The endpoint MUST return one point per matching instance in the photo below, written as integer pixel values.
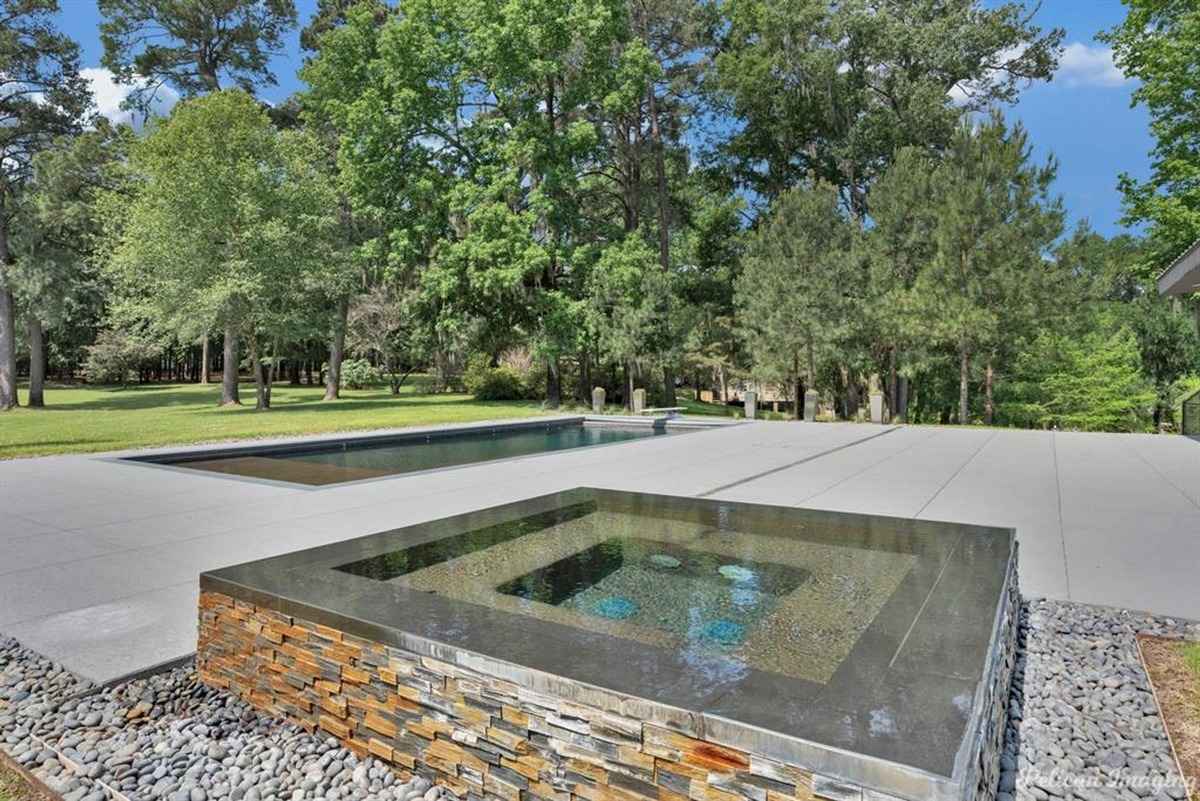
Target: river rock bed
(167, 736)
(1082, 725)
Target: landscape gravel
(167, 736)
(1083, 722)
(1082, 725)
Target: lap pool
(356, 458)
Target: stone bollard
(598, 400)
(750, 400)
(639, 400)
(810, 406)
(876, 407)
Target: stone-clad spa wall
(995, 688)
(483, 736)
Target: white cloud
(109, 94)
(1084, 65)
(964, 92)
(1081, 65)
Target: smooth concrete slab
(96, 641)
(961, 475)
(1013, 481)
(1103, 518)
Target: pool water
(762, 598)
(696, 595)
(365, 458)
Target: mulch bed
(1177, 688)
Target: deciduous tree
(1156, 44)
(231, 219)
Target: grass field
(13, 786)
(89, 419)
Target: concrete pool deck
(99, 560)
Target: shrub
(493, 383)
(1093, 384)
(358, 374)
(1181, 390)
(116, 357)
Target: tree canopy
(196, 46)
(538, 197)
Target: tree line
(542, 196)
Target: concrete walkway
(99, 559)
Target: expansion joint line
(1062, 534)
(955, 475)
(796, 463)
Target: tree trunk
(664, 237)
(893, 397)
(585, 378)
(229, 372)
(261, 401)
(337, 348)
(964, 373)
(8, 331)
(37, 362)
(272, 372)
(847, 394)
(627, 391)
(204, 359)
(989, 407)
(553, 384)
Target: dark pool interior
(865, 634)
(355, 459)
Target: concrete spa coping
(910, 712)
(177, 459)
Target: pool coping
(158, 458)
(834, 765)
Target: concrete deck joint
(810, 458)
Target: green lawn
(88, 419)
(693, 406)
(1191, 655)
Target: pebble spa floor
(610, 645)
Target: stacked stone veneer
(996, 688)
(483, 736)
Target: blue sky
(1083, 116)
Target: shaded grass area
(88, 419)
(693, 406)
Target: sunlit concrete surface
(99, 558)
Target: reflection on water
(353, 460)
(767, 597)
(696, 595)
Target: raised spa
(613, 645)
